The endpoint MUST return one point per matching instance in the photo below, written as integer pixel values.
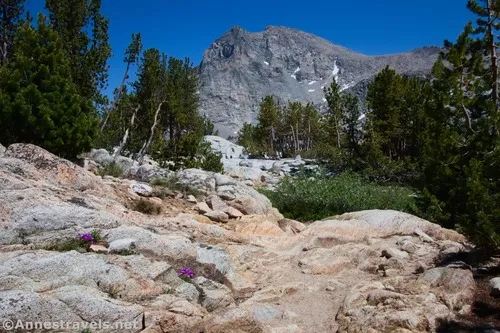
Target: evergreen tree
(84, 33)
(131, 57)
(488, 24)
(39, 103)
(183, 125)
(150, 89)
(248, 138)
(391, 144)
(353, 132)
(269, 122)
(334, 100)
(461, 162)
(10, 15)
(311, 127)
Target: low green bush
(146, 207)
(172, 184)
(112, 169)
(313, 198)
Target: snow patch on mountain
(335, 71)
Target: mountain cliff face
(241, 68)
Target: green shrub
(206, 159)
(161, 182)
(146, 207)
(314, 198)
(163, 185)
(112, 169)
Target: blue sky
(186, 28)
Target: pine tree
(183, 125)
(269, 123)
(310, 127)
(150, 89)
(10, 15)
(488, 24)
(249, 139)
(131, 57)
(39, 103)
(84, 32)
(334, 101)
(392, 138)
(353, 132)
(461, 161)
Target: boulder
(495, 287)
(187, 291)
(44, 271)
(233, 212)
(200, 180)
(217, 216)
(143, 190)
(380, 223)
(126, 245)
(228, 149)
(246, 163)
(175, 247)
(55, 170)
(101, 156)
(96, 306)
(455, 286)
(250, 205)
(43, 222)
(203, 208)
(223, 265)
(394, 253)
(147, 173)
(213, 295)
(2, 150)
(216, 203)
(291, 226)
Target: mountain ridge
(242, 67)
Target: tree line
(53, 74)
(439, 135)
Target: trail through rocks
(371, 271)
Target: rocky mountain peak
(241, 68)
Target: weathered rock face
(241, 68)
(495, 287)
(371, 271)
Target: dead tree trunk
(127, 132)
(117, 98)
(147, 144)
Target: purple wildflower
(186, 273)
(87, 238)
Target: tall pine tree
(39, 103)
(10, 15)
(461, 176)
(84, 33)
